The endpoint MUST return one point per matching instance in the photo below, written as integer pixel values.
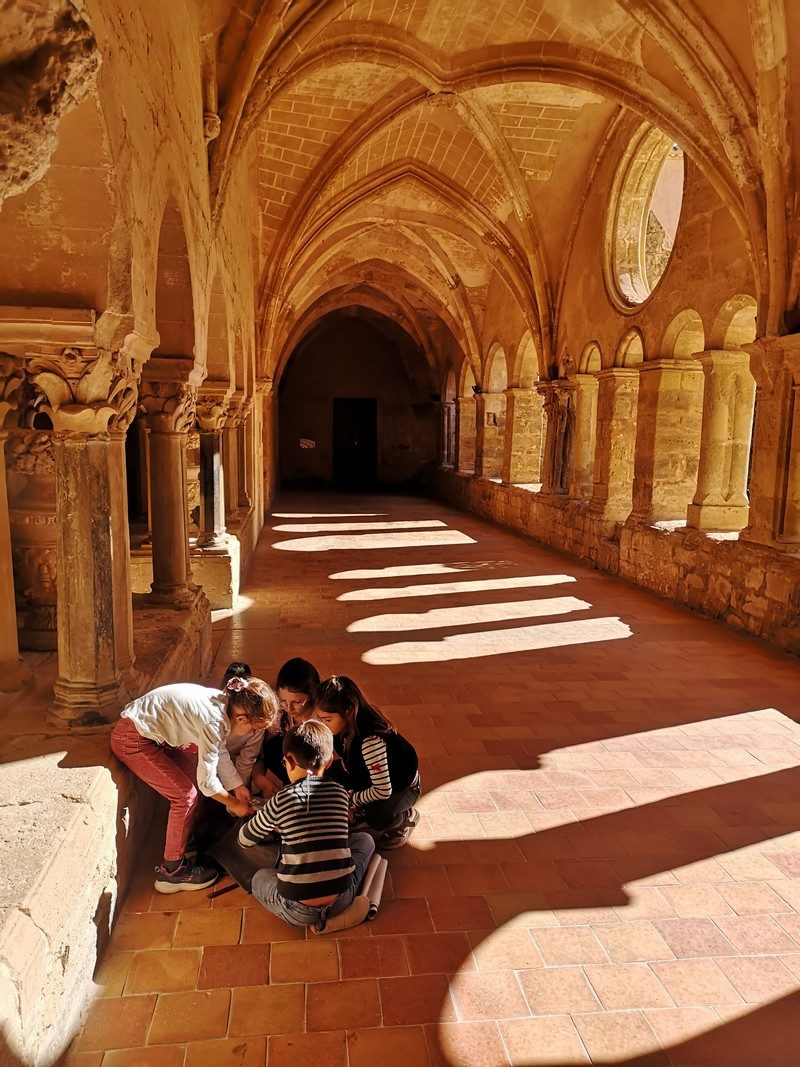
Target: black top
(401, 755)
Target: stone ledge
(72, 821)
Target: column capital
(167, 406)
(237, 410)
(264, 386)
(621, 373)
(213, 401)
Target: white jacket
(187, 714)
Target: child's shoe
(353, 915)
(399, 832)
(188, 877)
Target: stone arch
(630, 350)
(219, 354)
(591, 359)
(174, 291)
(495, 376)
(526, 369)
(684, 336)
(735, 323)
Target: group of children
(311, 765)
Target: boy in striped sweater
(320, 865)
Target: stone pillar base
(217, 569)
(171, 596)
(83, 704)
(722, 518)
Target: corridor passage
(607, 867)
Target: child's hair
(310, 744)
(236, 670)
(341, 695)
(257, 700)
(298, 676)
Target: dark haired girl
(382, 766)
(297, 679)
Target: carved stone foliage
(168, 407)
(86, 391)
(32, 519)
(212, 411)
(11, 378)
(31, 452)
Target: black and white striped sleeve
(376, 758)
(263, 823)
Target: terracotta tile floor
(607, 868)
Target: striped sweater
(311, 817)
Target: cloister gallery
(537, 262)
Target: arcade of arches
(544, 255)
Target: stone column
(212, 413)
(490, 422)
(559, 435)
(169, 408)
(231, 453)
(522, 451)
(774, 517)
(90, 395)
(720, 502)
(465, 434)
(586, 390)
(668, 428)
(12, 672)
(615, 443)
(246, 456)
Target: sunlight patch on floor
(347, 527)
(468, 616)
(403, 572)
(447, 588)
(500, 642)
(360, 542)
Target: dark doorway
(355, 442)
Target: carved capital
(237, 411)
(168, 407)
(213, 401)
(31, 452)
(264, 387)
(11, 378)
(86, 391)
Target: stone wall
(750, 587)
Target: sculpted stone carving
(212, 411)
(86, 391)
(11, 378)
(169, 407)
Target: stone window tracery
(643, 216)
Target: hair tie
(236, 684)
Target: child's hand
(241, 792)
(242, 808)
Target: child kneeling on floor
(382, 766)
(319, 865)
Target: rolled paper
(376, 888)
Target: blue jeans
(265, 888)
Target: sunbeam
(344, 527)
(500, 642)
(359, 542)
(468, 616)
(449, 588)
(403, 572)
(327, 514)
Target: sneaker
(400, 831)
(188, 877)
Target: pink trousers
(172, 772)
